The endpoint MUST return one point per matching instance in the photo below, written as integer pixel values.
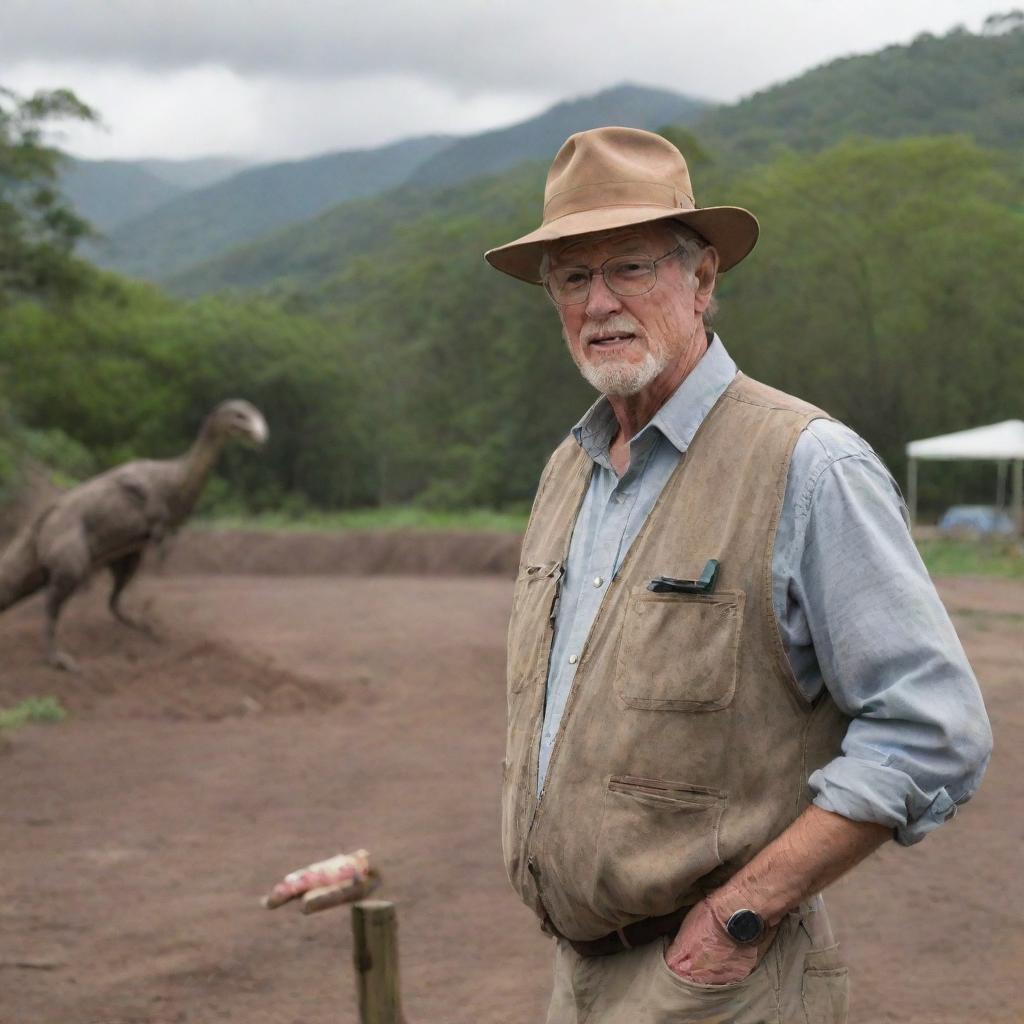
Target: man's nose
(601, 301)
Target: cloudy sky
(286, 78)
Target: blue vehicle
(976, 519)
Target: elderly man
(729, 675)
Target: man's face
(623, 344)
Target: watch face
(745, 926)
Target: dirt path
(285, 718)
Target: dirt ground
(283, 718)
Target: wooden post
(375, 952)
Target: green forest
(395, 367)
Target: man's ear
(706, 274)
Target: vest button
(573, 659)
(598, 581)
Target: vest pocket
(656, 840)
(529, 631)
(679, 651)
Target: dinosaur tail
(20, 571)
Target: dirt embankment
(194, 670)
(351, 553)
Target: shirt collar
(680, 416)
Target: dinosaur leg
(123, 570)
(60, 587)
(164, 547)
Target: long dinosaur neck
(198, 463)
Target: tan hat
(613, 177)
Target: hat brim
(731, 230)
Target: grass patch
(32, 709)
(399, 517)
(987, 557)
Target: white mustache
(621, 323)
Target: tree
(886, 287)
(38, 230)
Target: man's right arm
(811, 853)
(919, 738)
(876, 631)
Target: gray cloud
(276, 78)
(461, 41)
(721, 48)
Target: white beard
(620, 378)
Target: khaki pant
(800, 980)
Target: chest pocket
(679, 651)
(531, 626)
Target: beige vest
(685, 745)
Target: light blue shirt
(856, 608)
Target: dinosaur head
(241, 420)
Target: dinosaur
(109, 520)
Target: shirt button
(619, 499)
(573, 659)
(598, 581)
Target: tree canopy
(38, 229)
(394, 365)
(885, 288)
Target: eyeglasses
(624, 275)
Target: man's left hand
(703, 952)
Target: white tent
(1002, 443)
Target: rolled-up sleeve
(919, 737)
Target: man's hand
(812, 852)
(702, 950)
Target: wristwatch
(745, 926)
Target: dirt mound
(182, 674)
(193, 672)
(354, 553)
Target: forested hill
(194, 172)
(109, 193)
(540, 137)
(957, 83)
(406, 369)
(307, 257)
(112, 192)
(818, 109)
(394, 365)
(253, 203)
(202, 224)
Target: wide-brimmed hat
(611, 178)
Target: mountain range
(261, 223)
(396, 366)
(167, 231)
(958, 83)
(112, 192)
